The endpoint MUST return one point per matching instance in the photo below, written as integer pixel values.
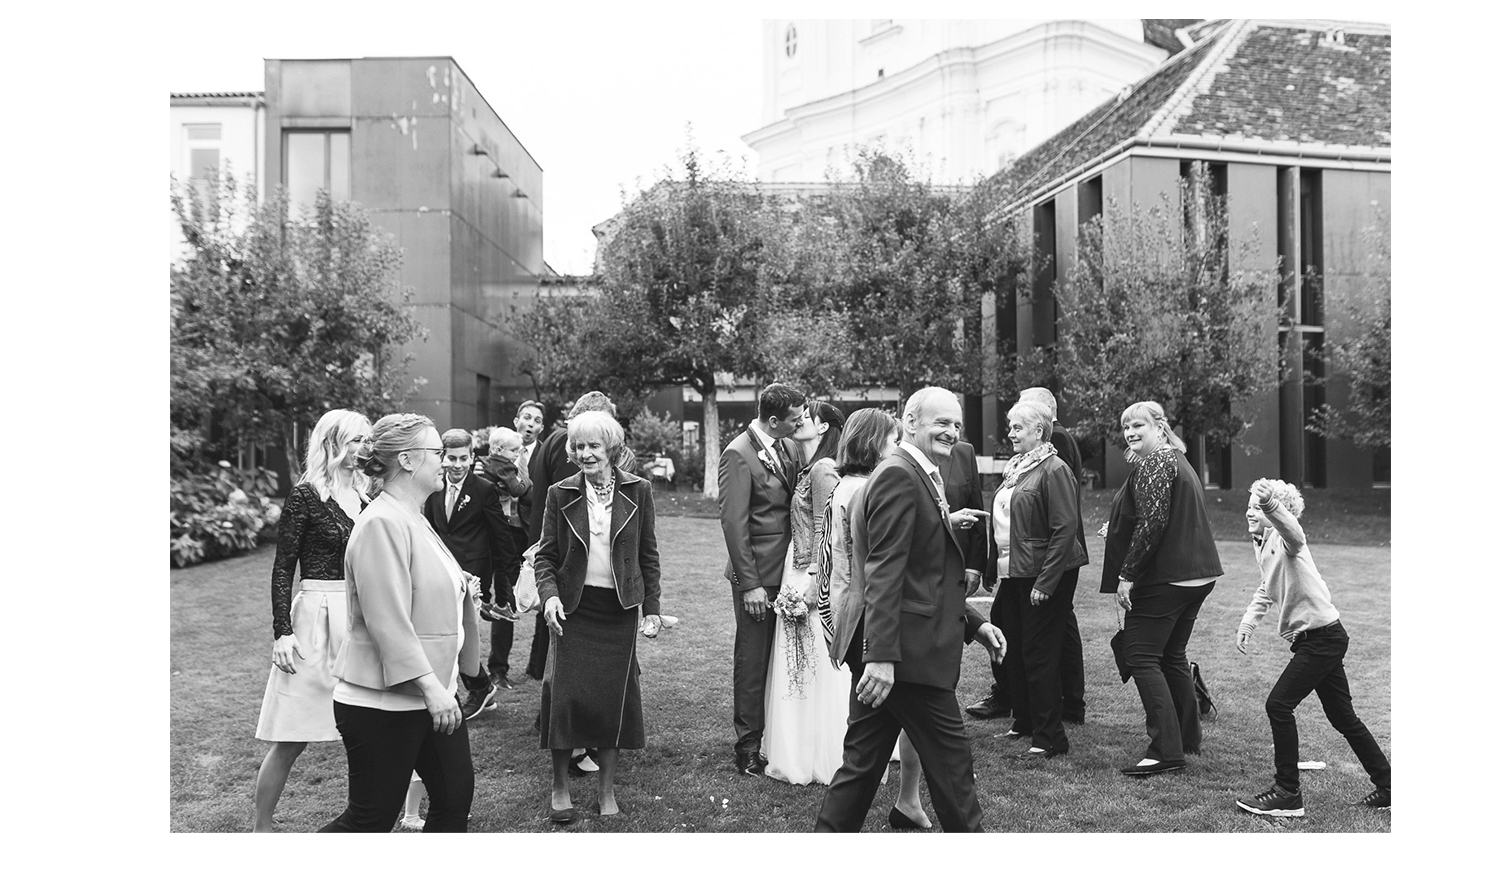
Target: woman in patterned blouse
(308, 629)
(1161, 563)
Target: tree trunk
(289, 450)
(711, 447)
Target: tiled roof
(1243, 81)
(1162, 32)
(1280, 84)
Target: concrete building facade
(414, 142)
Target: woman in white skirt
(309, 628)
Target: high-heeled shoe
(900, 822)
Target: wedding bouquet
(792, 607)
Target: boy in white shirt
(1311, 624)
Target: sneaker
(989, 707)
(1380, 798)
(1275, 802)
(411, 823)
(479, 701)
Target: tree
(1359, 353)
(913, 263)
(277, 319)
(677, 298)
(1153, 310)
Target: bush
(690, 468)
(654, 435)
(220, 512)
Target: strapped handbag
(1205, 703)
(1117, 645)
(527, 598)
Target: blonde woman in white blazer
(412, 627)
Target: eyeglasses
(439, 451)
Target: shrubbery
(221, 511)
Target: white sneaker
(411, 823)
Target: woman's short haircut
(391, 436)
(865, 434)
(777, 399)
(1286, 494)
(1150, 410)
(594, 423)
(1038, 394)
(1033, 414)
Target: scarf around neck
(1018, 465)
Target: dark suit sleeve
(976, 549)
(649, 557)
(890, 521)
(1060, 496)
(1068, 451)
(973, 618)
(734, 518)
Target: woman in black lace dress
(309, 628)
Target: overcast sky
(600, 102)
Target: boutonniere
(462, 503)
(765, 458)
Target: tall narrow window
(314, 160)
(1043, 301)
(202, 153)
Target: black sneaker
(478, 702)
(1274, 802)
(1380, 798)
(989, 707)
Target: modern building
(1292, 119)
(960, 96)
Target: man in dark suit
(466, 513)
(997, 702)
(904, 650)
(756, 480)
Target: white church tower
(960, 97)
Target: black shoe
(1073, 717)
(1380, 798)
(749, 763)
(1273, 802)
(1153, 769)
(989, 707)
(1037, 753)
(501, 681)
(478, 701)
(900, 822)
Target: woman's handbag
(527, 598)
(1200, 690)
(1117, 645)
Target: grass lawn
(685, 782)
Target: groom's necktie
(937, 479)
(783, 458)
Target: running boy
(1311, 624)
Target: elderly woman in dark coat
(597, 573)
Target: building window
(791, 40)
(314, 160)
(1044, 275)
(203, 143)
(1310, 266)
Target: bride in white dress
(807, 698)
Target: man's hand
(875, 685)
(963, 519)
(991, 638)
(755, 603)
(972, 578)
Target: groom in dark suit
(910, 625)
(756, 480)
(467, 514)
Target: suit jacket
(909, 571)
(960, 471)
(549, 465)
(404, 610)
(1067, 450)
(562, 559)
(755, 501)
(474, 532)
